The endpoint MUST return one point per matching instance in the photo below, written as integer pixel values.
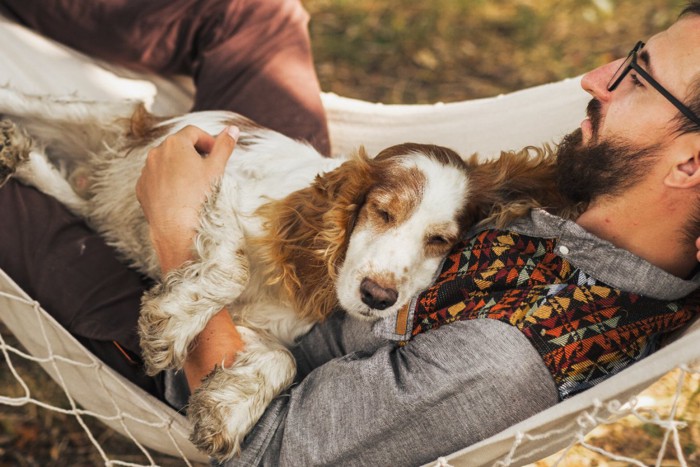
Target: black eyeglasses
(631, 63)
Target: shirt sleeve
(445, 390)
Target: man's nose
(595, 82)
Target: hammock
(529, 117)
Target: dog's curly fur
(14, 149)
(515, 182)
(306, 235)
(286, 236)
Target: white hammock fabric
(543, 114)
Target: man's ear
(685, 172)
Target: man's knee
(258, 62)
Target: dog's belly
(115, 212)
(265, 165)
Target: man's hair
(692, 8)
(691, 230)
(693, 100)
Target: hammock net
(94, 391)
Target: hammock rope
(97, 369)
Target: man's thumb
(224, 144)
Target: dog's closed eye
(384, 215)
(437, 240)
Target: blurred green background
(415, 51)
(422, 51)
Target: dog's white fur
(402, 224)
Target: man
(369, 393)
(519, 318)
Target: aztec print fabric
(584, 330)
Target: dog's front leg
(15, 145)
(175, 311)
(231, 400)
(22, 158)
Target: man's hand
(175, 181)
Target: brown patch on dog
(394, 198)
(441, 154)
(244, 123)
(307, 234)
(249, 130)
(440, 239)
(143, 128)
(400, 190)
(471, 213)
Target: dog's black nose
(376, 296)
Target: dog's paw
(219, 421)
(162, 346)
(15, 145)
(231, 400)
(157, 351)
(174, 312)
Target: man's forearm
(171, 189)
(217, 344)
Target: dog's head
(406, 220)
(371, 233)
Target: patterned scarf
(585, 330)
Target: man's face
(635, 110)
(628, 130)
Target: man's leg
(249, 56)
(55, 258)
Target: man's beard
(601, 168)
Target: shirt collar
(604, 261)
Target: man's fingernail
(234, 132)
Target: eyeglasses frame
(629, 64)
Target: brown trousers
(249, 56)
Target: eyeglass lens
(624, 68)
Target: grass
(33, 436)
(416, 51)
(413, 51)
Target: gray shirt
(362, 400)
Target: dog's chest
(255, 176)
(265, 307)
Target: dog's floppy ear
(345, 190)
(307, 234)
(508, 187)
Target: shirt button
(564, 250)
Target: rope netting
(669, 406)
(17, 368)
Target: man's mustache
(594, 114)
